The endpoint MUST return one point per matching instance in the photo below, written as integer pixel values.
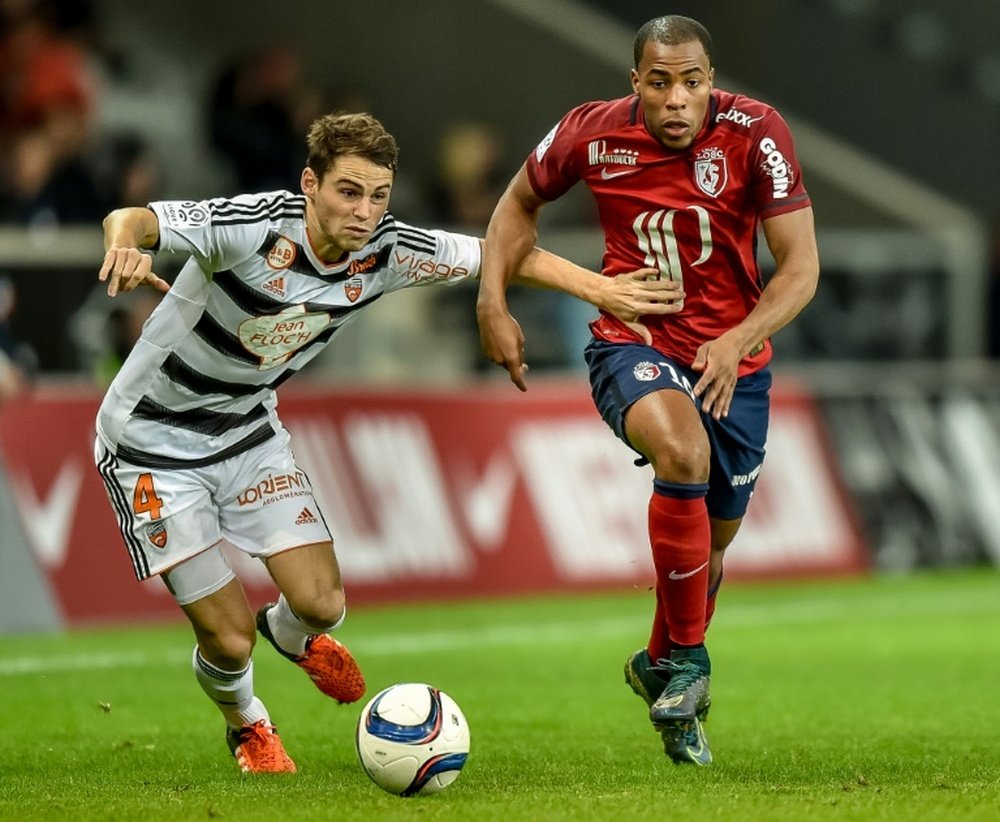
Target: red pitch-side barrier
(451, 493)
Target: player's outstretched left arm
(126, 232)
(629, 296)
(509, 255)
(791, 238)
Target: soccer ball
(412, 739)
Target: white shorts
(260, 501)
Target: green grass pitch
(875, 699)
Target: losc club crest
(156, 533)
(646, 371)
(352, 288)
(710, 171)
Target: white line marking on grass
(80, 662)
(882, 605)
(497, 635)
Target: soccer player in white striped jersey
(189, 444)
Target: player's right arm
(510, 237)
(127, 231)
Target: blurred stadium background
(439, 478)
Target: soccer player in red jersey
(683, 174)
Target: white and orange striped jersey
(251, 306)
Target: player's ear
(633, 77)
(309, 182)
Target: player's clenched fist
(127, 268)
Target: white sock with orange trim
(289, 631)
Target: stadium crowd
(63, 165)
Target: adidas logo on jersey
(305, 518)
(276, 286)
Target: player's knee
(322, 611)
(682, 462)
(228, 649)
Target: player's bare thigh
(666, 428)
(309, 577)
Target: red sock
(680, 537)
(659, 646)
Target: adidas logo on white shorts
(305, 518)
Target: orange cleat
(258, 749)
(333, 669)
(327, 661)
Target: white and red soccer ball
(412, 739)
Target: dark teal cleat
(642, 677)
(682, 707)
(677, 689)
(686, 696)
(687, 745)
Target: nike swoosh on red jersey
(686, 574)
(609, 175)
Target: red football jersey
(691, 214)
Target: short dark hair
(671, 30)
(337, 134)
